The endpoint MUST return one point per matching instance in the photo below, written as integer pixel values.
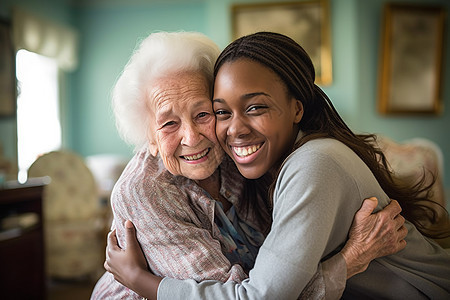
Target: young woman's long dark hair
(320, 119)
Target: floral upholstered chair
(410, 159)
(72, 221)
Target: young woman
(275, 123)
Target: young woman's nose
(238, 127)
(190, 135)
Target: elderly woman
(196, 216)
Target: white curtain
(46, 38)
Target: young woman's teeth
(196, 156)
(244, 151)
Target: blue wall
(109, 35)
(110, 30)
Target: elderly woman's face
(184, 128)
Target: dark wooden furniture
(22, 270)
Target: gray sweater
(319, 189)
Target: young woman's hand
(129, 266)
(373, 235)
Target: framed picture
(7, 72)
(411, 60)
(306, 22)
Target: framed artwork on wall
(306, 22)
(7, 72)
(410, 73)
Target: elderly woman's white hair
(158, 55)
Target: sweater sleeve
(329, 281)
(307, 226)
(174, 241)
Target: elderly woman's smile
(198, 157)
(183, 132)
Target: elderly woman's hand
(373, 235)
(129, 266)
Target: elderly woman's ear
(151, 131)
(152, 145)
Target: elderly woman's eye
(202, 114)
(170, 123)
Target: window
(38, 122)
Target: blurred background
(66, 56)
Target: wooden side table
(22, 271)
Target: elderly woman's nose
(190, 135)
(238, 127)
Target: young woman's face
(182, 131)
(256, 118)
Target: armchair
(72, 221)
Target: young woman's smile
(246, 151)
(256, 118)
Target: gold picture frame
(410, 72)
(306, 22)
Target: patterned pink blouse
(175, 225)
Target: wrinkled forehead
(182, 88)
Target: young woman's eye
(221, 113)
(256, 108)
